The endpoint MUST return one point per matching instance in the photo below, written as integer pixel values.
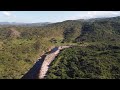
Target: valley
(89, 49)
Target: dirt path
(49, 58)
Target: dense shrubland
(91, 62)
(20, 46)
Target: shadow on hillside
(33, 72)
(54, 50)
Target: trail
(48, 59)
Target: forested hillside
(21, 46)
(100, 61)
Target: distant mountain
(4, 22)
(25, 24)
(38, 24)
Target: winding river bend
(39, 70)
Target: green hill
(91, 62)
(21, 46)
